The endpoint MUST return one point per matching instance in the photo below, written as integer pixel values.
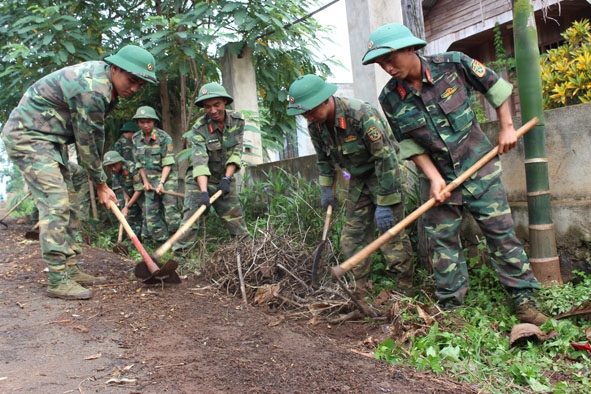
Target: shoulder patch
(374, 134)
(478, 68)
(169, 148)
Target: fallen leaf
(93, 357)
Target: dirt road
(185, 338)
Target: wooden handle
(16, 205)
(120, 235)
(340, 270)
(326, 222)
(152, 267)
(173, 193)
(184, 228)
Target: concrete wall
(569, 168)
(569, 172)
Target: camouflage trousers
(493, 215)
(49, 179)
(134, 217)
(359, 231)
(228, 209)
(161, 213)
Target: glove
(204, 200)
(327, 198)
(384, 218)
(224, 185)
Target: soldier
(427, 103)
(216, 144)
(124, 145)
(352, 134)
(70, 105)
(154, 158)
(129, 180)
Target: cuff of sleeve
(236, 161)
(168, 161)
(201, 170)
(409, 148)
(100, 177)
(326, 180)
(499, 92)
(389, 199)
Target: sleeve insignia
(478, 68)
(169, 148)
(374, 134)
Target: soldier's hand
(437, 191)
(384, 218)
(204, 200)
(224, 185)
(105, 194)
(327, 198)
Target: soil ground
(185, 338)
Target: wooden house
(469, 26)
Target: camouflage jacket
(153, 154)
(129, 178)
(360, 143)
(439, 120)
(124, 147)
(68, 105)
(213, 149)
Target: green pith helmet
(129, 127)
(145, 112)
(307, 92)
(136, 61)
(112, 157)
(388, 38)
(212, 90)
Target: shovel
(119, 248)
(183, 229)
(33, 233)
(154, 273)
(340, 270)
(320, 248)
(15, 207)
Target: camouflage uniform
(361, 143)
(124, 147)
(162, 214)
(36, 137)
(130, 181)
(212, 150)
(79, 196)
(441, 123)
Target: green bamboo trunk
(543, 253)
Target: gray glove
(204, 200)
(384, 218)
(327, 198)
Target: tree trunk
(543, 254)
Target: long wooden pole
(340, 270)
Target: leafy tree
(187, 38)
(565, 70)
